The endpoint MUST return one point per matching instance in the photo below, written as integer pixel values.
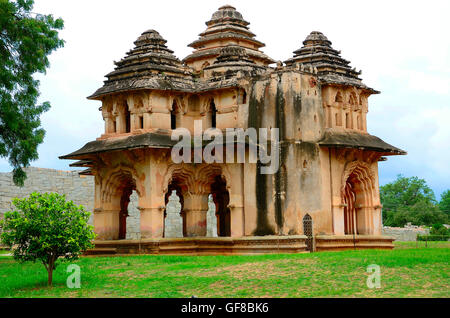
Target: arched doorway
(123, 214)
(126, 188)
(194, 185)
(350, 221)
(221, 199)
(358, 197)
(117, 188)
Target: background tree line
(412, 200)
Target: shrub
(45, 227)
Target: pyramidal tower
(226, 27)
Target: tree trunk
(50, 271)
(50, 276)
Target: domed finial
(315, 37)
(227, 6)
(225, 13)
(150, 36)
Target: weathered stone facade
(326, 183)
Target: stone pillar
(376, 220)
(133, 121)
(106, 224)
(152, 222)
(237, 220)
(338, 219)
(147, 118)
(121, 121)
(109, 124)
(196, 209)
(363, 218)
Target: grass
(406, 271)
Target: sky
(402, 48)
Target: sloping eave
(346, 139)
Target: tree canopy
(410, 200)
(46, 227)
(444, 204)
(26, 40)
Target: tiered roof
(227, 25)
(331, 67)
(148, 65)
(232, 59)
(229, 47)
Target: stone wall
(80, 190)
(407, 233)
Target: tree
(26, 39)
(409, 200)
(439, 229)
(46, 227)
(444, 204)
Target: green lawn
(405, 272)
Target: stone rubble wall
(80, 190)
(407, 233)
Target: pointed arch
(357, 197)
(116, 179)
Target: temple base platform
(350, 242)
(237, 246)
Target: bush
(433, 237)
(46, 227)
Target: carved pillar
(152, 222)
(109, 122)
(376, 220)
(195, 209)
(235, 186)
(237, 220)
(338, 219)
(364, 218)
(109, 125)
(119, 111)
(106, 224)
(159, 118)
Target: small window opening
(213, 114)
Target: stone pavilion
(325, 194)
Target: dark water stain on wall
(262, 222)
(280, 176)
